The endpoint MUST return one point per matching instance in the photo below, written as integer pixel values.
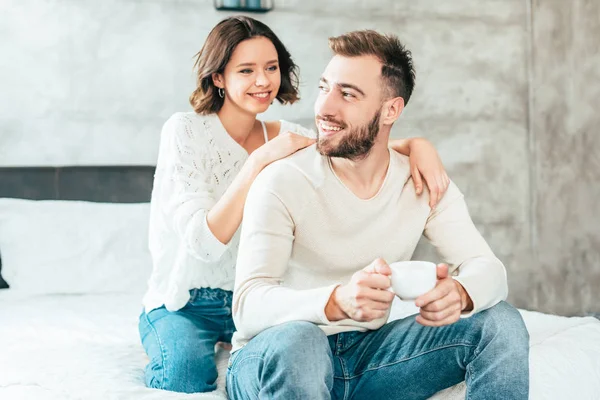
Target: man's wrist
(465, 300)
(333, 311)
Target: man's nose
(326, 105)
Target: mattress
(87, 347)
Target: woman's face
(252, 77)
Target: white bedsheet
(87, 347)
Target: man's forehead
(362, 70)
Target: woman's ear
(392, 109)
(218, 80)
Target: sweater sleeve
(192, 193)
(472, 263)
(264, 253)
(298, 129)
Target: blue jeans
(181, 344)
(401, 360)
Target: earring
(221, 93)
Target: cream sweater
(197, 161)
(305, 232)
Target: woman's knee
(182, 374)
(181, 358)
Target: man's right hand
(365, 298)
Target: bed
(76, 259)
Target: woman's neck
(238, 123)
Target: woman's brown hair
(217, 51)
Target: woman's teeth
(260, 95)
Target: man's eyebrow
(345, 86)
(253, 64)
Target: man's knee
(291, 360)
(302, 336)
(504, 322)
(293, 346)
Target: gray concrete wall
(506, 90)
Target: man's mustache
(341, 124)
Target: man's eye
(348, 94)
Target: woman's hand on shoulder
(280, 147)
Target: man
(310, 299)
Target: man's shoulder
(300, 171)
(402, 165)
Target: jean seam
(344, 373)
(468, 392)
(162, 352)
(410, 358)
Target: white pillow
(58, 246)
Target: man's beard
(355, 145)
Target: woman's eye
(273, 68)
(246, 71)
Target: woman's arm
(225, 216)
(425, 164)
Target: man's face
(348, 109)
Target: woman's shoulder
(183, 118)
(187, 125)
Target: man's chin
(324, 147)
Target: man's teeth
(331, 128)
(260, 95)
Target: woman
(207, 161)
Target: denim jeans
(401, 360)
(181, 344)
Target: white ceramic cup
(411, 279)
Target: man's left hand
(443, 304)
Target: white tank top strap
(264, 126)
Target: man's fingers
(438, 305)
(442, 271)
(378, 266)
(377, 295)
(366, 315)
(439, 315)
(374, 280)
(447, 321)
(441, 307)
(437, 293)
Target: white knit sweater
(197, 161)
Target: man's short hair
(397, 69)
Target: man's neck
(365, 176)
